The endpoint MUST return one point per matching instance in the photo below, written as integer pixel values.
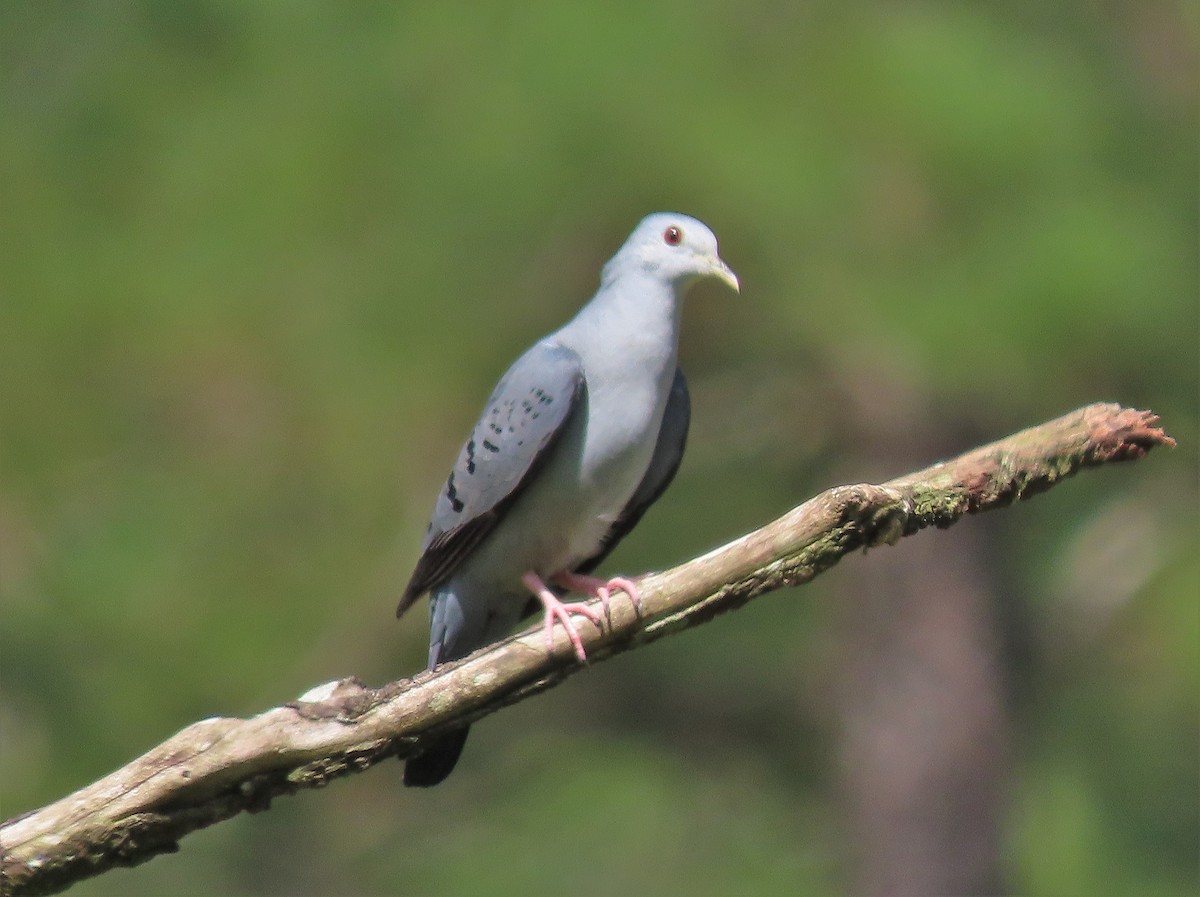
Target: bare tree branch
(216, 768)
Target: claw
(555, 609)
(601, 588)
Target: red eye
(672, 236)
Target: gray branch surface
(216, 768)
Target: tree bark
(919, 687)
(216, 768)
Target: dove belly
(562, 517)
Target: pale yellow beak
(723, 272)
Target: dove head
(671, 247)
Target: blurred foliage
(260, 264)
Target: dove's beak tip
(724, 273)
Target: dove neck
(634, 309)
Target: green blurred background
(260, 264)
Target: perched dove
(581, 435)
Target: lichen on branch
(217, 768)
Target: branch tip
(214, 769)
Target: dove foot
(555, 609)
(594, 587)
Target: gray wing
(668, 453)
(523, 419)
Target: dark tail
(437, 761)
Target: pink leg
(600, 588)
(556, 609)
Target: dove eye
(672, 236)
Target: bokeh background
(260, 264)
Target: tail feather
(457, 627)
(437, 761)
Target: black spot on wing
(452, 494)
(516, 434)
